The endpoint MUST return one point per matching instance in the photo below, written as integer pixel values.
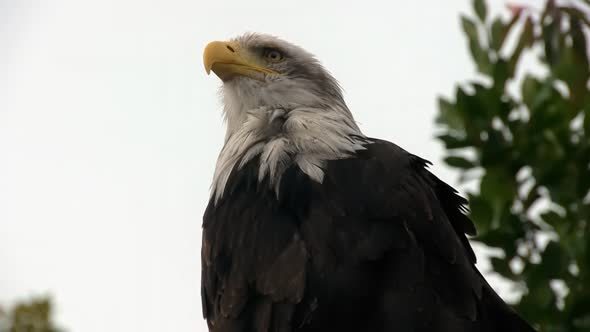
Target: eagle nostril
(230, 48)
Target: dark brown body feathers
(380, 245)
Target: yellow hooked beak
(227, 61)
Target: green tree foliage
(31, 316)
(526, 137)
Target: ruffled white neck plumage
(285, 136)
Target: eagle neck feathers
(284, 136)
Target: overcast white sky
(109, 131)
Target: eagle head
(281, 107)
(263, 70)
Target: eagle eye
(272, 55)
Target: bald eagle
(313, 226)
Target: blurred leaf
(459, 162)
(449, 115)
(579, 43)
(500, 30)
(530, 88)
(540, 295)
(497, 186)
(481, 213)
(480, 9)
(470, 28)
(498, 33)
(453, 142)
(479, 54)
(527, 37)
(541, 99)
(501, 266)
(579, 59)
(554, 260)
(552, 38)
(501, 74)
(498, 238)
(32, 316)
(557, 221)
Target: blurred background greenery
(521, 142)
(523, 138)
(34, 315)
